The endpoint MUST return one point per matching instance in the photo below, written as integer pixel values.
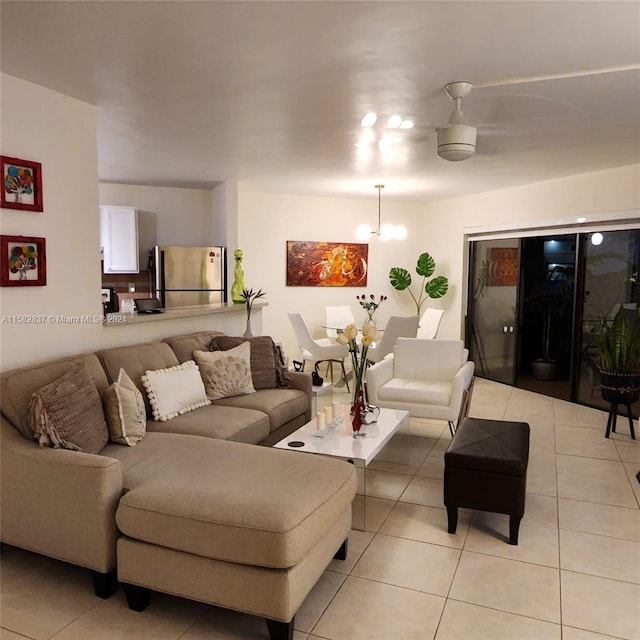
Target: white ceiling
(272, 93)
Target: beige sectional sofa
(194, 509)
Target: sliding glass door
(535, 306)
(609, 262)
(493, 301)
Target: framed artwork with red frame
(23, 261)
(21, 184)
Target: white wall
(267, 221)
(582, 195)
(225, 221)
(60, 132)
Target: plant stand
(613, 415)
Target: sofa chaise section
(222, 523)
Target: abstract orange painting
(503, 268)
(327, 264)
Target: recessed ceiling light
(369, 120)
(394, 121)
(406, 124)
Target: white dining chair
(320, 350)
(397, 327)
(429, 324)
(337, 317)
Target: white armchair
(428, 378)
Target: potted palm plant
(619, 343)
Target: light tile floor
(575, 574)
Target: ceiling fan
(457, 139)
(512, 110)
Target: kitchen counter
(120, 319)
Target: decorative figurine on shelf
(238, 275)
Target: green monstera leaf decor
(400, 280)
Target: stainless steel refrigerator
(186, 276)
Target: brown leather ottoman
(485, 468)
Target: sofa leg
(341, 553)
(280, 630)
(514, 527)
(452, 517)
(105, 584)
(137, 597)
(452, 428)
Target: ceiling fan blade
(508, 82)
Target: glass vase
(238, 283)
(247, 332)
(370, 322)
(356, 413)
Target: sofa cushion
(125, 411)
(267, 370)
(184, 345)
(226, 373)
(18, 385)
(280, 405)
(415, 391)
(67, 413)
(135, 360)
(230, 501)
(175, 390)
(226, 423)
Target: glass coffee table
(386, 440)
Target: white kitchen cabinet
(119, 239)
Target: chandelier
(384, 232)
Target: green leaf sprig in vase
(250, 296)
(359, 365)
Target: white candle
(328, 412)
(320, 418)
(337, 413)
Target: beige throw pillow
(226, 373)
(175, 390)
(125, 411)
(267, 371)
(67, 413)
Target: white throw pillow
(175, 390)
(226, 373)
